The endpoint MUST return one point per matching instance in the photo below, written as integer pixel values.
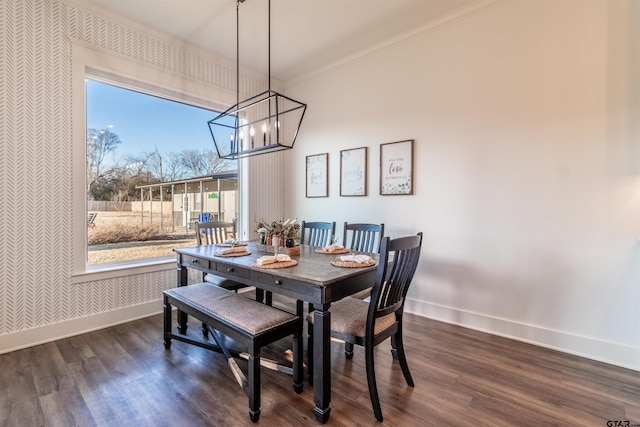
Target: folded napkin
(231, 241)
(333, 248)
(232, 250)
(360, 259)
(270, 259)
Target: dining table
(313, 279)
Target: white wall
(527, 160)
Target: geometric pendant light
(262, 124)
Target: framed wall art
(353, 172)
(396, 168)
(317, 179)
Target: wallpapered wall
(36, 212)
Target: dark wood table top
(312, 269)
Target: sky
(145, 122)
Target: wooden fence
(95, 205)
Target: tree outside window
(141, 152)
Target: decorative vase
(267, 239)
(289, 242)
(275, 241)
(263, 239)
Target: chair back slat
(363, 237)
(211, 233)
(317, 233)
(394, 277)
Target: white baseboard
(588, 347)
(43, 334)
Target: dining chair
(319, 233)
(362, 237)
(212, 233)
(368, 324)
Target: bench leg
(167, 323)
(183, 280)
(205, 330)
(254, 386)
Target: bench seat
(250, 323)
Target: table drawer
(240, 273)
(278, 283)
(194, 262)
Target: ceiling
(306, 35)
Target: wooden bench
(248, 322)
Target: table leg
(259, 294)
(310, 349)
(182, 281)
(322, 362)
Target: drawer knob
(230, 270)
(278, 283)
(194, 261)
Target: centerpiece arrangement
(264, 233)
(278, 234)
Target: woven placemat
(232, 254)
(279, 264)
(351, 264)
(336, 252)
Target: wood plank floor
(122, 376)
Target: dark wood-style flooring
(123, 376)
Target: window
(151, 172)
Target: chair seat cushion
(244, 313)
(349, 318)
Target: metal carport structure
(196, 187)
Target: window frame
(106, 68)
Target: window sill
(109, 271)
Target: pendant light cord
(238, 56)
(238, 49)
(269, 49)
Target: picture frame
(317, 181)
(396, 168)
(353, 172)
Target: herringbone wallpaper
(35, 159)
